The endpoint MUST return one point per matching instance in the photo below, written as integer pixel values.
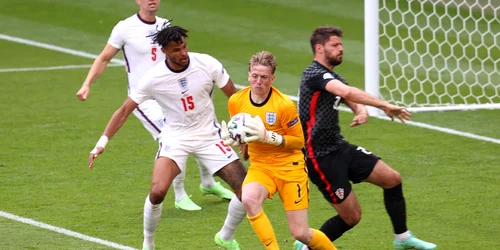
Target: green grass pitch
(450, 182)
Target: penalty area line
(64, 231)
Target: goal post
(433, 55)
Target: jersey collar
(144, 21)
(321, 65)
(264, 102)
(178, 70)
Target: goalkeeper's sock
(152, 214)
(264, 230)
(320, 241)
(396, 208)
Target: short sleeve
(219, 74)
(319, 81)
(144, 90)
(116, 39)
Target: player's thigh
(298, 222)
(176, 150)
(165, 170)
(253, 196)
(330, 174)
(259, 175)
(384, 176)
(349, 210)
(151, 116)
(294, 189)
(362, 162)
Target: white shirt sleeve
(144, 90)
(219, 74)
(116, 39)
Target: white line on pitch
(54, 47)
(445, 130)
(64, 231)
(88, 55)
(52, 68)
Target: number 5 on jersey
(153, 53)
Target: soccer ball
(235, 127)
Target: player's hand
(397, 112)
(225, 136)
(256, 129)
(83, 93)
(93, 154)
(359, 119)
(244, 151)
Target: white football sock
(152, 214)
(178, 184)
(235, 214)
(403, 236)
(207, 180)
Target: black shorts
(333, 172)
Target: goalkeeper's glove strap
(273, 138)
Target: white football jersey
(139, 51)
(185, 97)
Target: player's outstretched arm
(356, 95)
(114, 124)
(100, 63)
(397, 112)
(360, 113)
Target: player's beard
(335, 60)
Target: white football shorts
(151, 115)
(212, 154)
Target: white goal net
(434, 54)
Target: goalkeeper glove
(225, 136)
(257, 131)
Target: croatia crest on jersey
(270, 118)
(340, 193)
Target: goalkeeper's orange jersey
(280, 115)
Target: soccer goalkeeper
(277, 164)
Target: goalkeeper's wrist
(102, 142)
(273, 138)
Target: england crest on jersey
(270, 118)
(183, 84)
